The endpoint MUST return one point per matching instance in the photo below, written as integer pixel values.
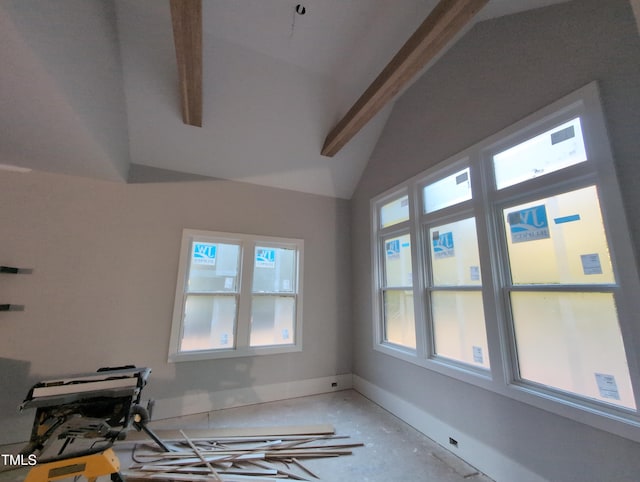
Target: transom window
(518, 274)
(236, 295)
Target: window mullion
(243, 324)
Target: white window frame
(486, 206)
(247, 243)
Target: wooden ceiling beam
(445, 21)
(186, 19)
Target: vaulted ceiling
(90, 87)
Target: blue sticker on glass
(393, 248)
(204, 253)
(443, 245)
(567, 219)
(265, 257)
(528, 224)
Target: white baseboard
(203, 401)
(479, 455)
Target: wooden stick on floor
(197, 452)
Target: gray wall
(105, 258)
(503, 70)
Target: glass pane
(560, 239)
(209, 322)
(397, 261)
(551, 151)
(572, 341)
(447, 192)
(394, 212)
(275, 270)
(399, 321)
(458, 327)
(213, 267)
(272, 320)
(454, 254)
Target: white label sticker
(477, 354)
(607, 386)
(474, 271)
(228, 283)
(591, 263)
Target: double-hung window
(560, 288)
(236, 295)
(395, 274)
(453, 296)
(518, 273)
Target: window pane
(458, 326)
(209, 322)
(275, 270)
(397, 261)
(213, 267)
(448, 191)
(454, 254)
(394, 212)
(572, 341)
(399, 321)
(560, 239)
(551, 151)
(272, 320)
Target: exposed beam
(446, 20)
(186, 18)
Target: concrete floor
(392, 452)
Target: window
(397, 325)
(518, 274)
(236, 295)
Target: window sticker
(265, 258)
(474, 272)
(477, 354)
(591, 263)
(443, 245)
(563, 135)
(528, 224)
(607, 386)
(567, 219)
(204, 253)
(393, 249)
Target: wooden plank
(186, 19)
(304, 468)
(445, 21)
(197, 452)
(136, 477)
(222, 433)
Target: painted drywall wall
(503, 70)
(105, 258)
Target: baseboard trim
(487, 460)
(203, 401)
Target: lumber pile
(257, 455)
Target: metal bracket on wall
(12, 270)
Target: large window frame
(243, 289)
(486, 206)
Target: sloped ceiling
(89, 87)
